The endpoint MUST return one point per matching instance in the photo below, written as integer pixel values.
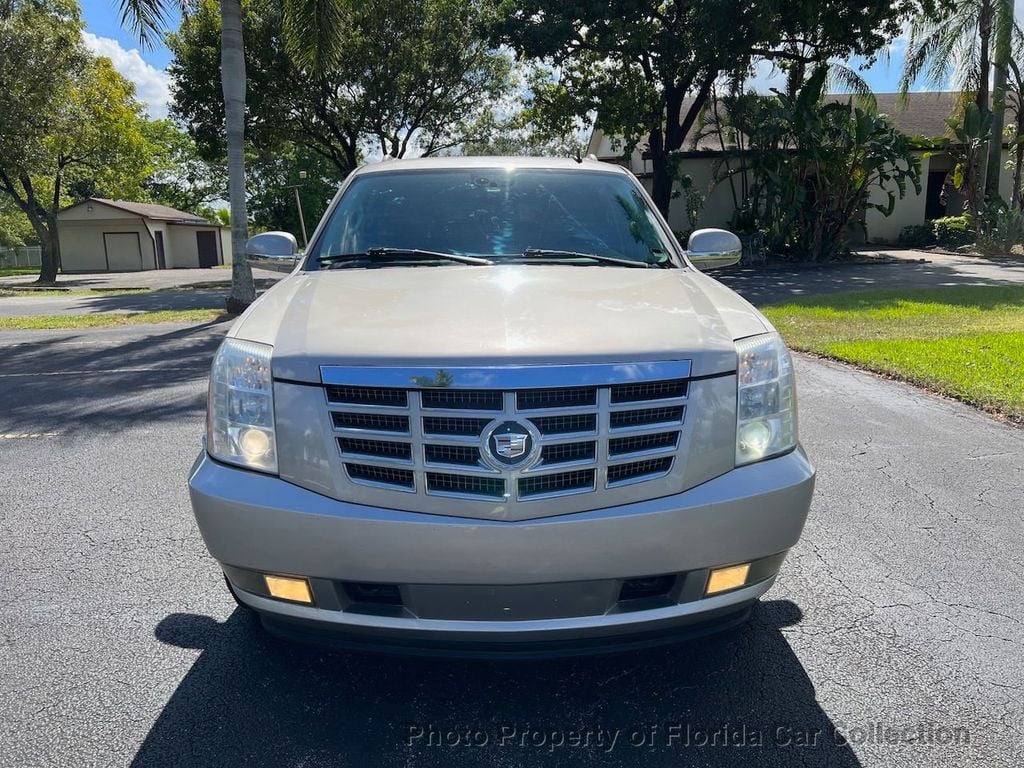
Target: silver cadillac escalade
(496, 408)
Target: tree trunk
(984, 68)
(1003, 29)
(49, 244)
(232, 70)
(661, 182)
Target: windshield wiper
(371, 254)
(548, 254)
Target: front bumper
(469, 582)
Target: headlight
(766, 399)
(240, 417)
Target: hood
(515, 314)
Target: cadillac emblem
(509, 444)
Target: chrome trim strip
(505, 377)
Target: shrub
(953, 231)
(1000, 228)
(918, 236)
(949, 232)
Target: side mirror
(713, 249)
(276, 251)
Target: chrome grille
(419, 440)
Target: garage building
(98, 235)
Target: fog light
(724, 579)
(289, 588)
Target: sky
(105, 36)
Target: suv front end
(513, 459)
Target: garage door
(124, 251)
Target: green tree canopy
(405, 75)
(646, 67)
(70, 123)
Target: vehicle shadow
(740, 698)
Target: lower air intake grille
(560, 482)
(619, 473)
(400, 478)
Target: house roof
(916, 114)
(146, 210)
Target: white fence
(20, 257)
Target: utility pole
(298, 203)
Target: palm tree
(958, 40)
(1004, 25)
(146, 19)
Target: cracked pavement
(893, 637)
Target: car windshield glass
(496, 213)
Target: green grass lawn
(12, 271)
(965, 342)
(110, 319)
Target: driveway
(165, 289)
(893, 636)
(915, 269)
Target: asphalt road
(893, 637)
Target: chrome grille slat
(374, 396)
(358, 446)
(589, 438)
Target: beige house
(98, 235)
(923, 115)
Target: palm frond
(145, 19)
(842, 77)
(314, 31)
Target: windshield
(497, 213)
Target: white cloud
(152, 85)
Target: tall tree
(407, 76)
(1003, 53)
(72, 122)
(646, 67)
(146, 18)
